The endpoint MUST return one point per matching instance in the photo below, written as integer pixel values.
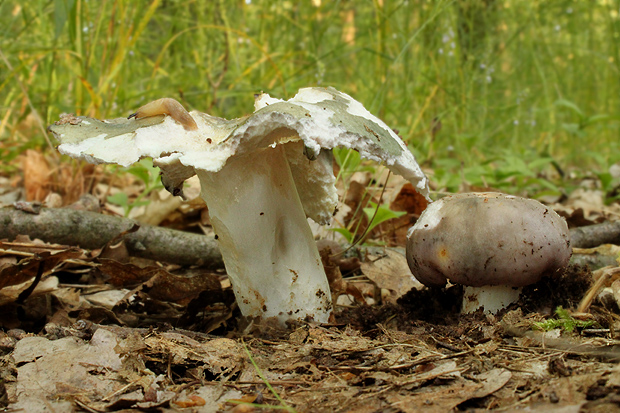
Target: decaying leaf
(390, 272)
(587, 207)
(160, 283)
(404, 198)
(333, 261)
(40, 263)
(102, 373)
(37, 175)
(447, 397)
(50, 371)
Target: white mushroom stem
(491, 297)
(268, 248)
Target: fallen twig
(566, 345)
(91, 230)
(594, 235)
(604, 276)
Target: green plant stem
(283, 404)
(31, 106)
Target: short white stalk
(268, 248)
(491, 298)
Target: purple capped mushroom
(491, 243)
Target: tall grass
(466, 82)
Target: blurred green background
(514, 94)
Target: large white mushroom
(261, 176)
(491, 243)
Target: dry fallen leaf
(40, 264)
(587, 207)
(390, 272)
(405, 198)
(49, 370)
(37, 175)
(160, 284)
(444, 398)
(191, 401)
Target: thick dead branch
(91, 230)
(594, 235)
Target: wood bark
(90, 230)
(594, 235)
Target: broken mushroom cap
(487, 240)
(261, 176)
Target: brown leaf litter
(313, 368)
(98, 330)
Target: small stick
(606, 274)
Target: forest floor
(98, 330)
